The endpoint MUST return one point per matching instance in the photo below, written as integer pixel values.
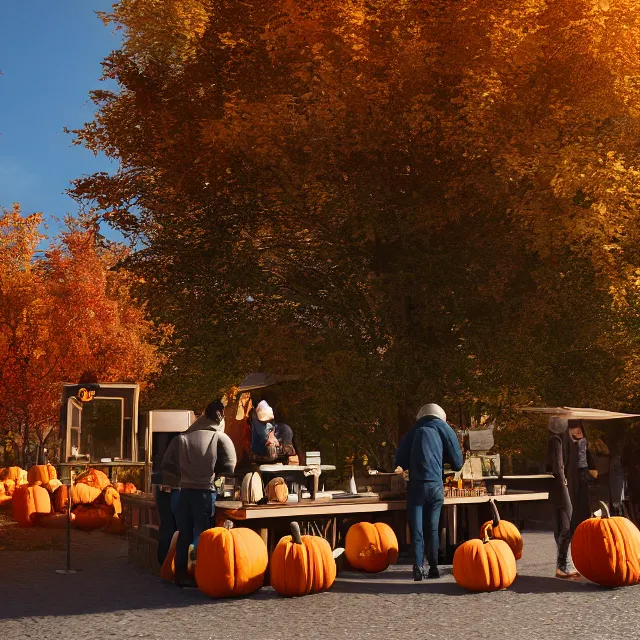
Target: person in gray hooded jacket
(198, 455)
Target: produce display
(38, 498)
(606, 550)
(371, 547)
(503, 530)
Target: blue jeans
(424, 504)
(166, 504)
(194, 515)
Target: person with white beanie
(423, 451)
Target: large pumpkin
(84, 494)
(251, 490)
(94, 478)
(28, 500)
(302, 564)
(89, 517)
(371, 547)
(231, 562)
(41, 474)
(606, 550)
(60, 499)
(503, 530)
(277, 490)
(484, 565)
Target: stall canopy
(575, 413)
(262, 380)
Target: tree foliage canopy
(404, 202)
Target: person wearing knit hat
(423, 451)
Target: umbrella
(262, 380)
(575, 413)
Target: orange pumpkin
(302, 564)
(484, 565)
(119, 487)
(129, 487)
(168, 569)
(231, 562)
(89, 517)
(60, 499)
(94, 478)
(277, 490)
(503, 530)
(371, 547)
(84, 494)
(11, 473)
(28, 500)
(606, 550)
(117, 526)
(41, 474)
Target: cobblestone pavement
(109, 598)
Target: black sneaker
(417, 573)
(433, 574)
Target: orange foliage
(61, 314)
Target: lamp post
(67, 480)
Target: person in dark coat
(422, 451)
(571, 463)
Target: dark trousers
(166, 504)
(424, 504)
(562, 531)
(194, 515)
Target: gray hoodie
(198, 454)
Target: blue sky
(50, 53)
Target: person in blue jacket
(423, 451)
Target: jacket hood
(434, 410)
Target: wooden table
(321, 516)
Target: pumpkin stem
(495, 514)
(605, 509)
(228, 524)
(295, 533)
(486, 536)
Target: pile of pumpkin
(37, 497)
(233, 561)
(604, 550)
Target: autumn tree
(403, 201)
(62, 313)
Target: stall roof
(262, 380)
(576, 413)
